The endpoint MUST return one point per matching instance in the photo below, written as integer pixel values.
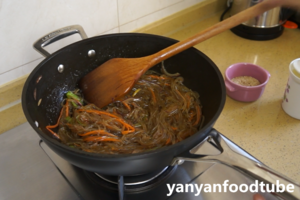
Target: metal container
(266, 26)
(271, 18)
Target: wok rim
(47, 139)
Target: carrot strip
(126, 105)
(98, 138)
(87, 150)
(126, 132)
(184, 101)
(191, 117)
(198, 115)
(125, 124)
(188, 100)
(154, 76)
(153, 95)
(173, 128)
(67, 108)
(55, 125)
(102, 132)
(192, 114)
(168, 141)
(53, 133)
(98, 112)
(128, 126)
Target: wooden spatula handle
(214, 30)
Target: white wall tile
(130, 10)
(23, 22)
(114, 30)
(26, 69)
(11, 75)
(19, 71)
(158, 14)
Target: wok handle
(241, 163)
(57, 35)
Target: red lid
(290, 24)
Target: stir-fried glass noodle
(158, 111)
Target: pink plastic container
(245, 93)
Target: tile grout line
(21, 65)
(118, 16)
(104, 31)
(7, 106)
(100, 33)
(148, 14)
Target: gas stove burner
(156, 185)
(132, 184)
(134, 180)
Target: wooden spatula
(116, 77)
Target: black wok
(60, 72)
(45, 88)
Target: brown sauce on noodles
(158, 111)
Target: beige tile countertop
(262, 127)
